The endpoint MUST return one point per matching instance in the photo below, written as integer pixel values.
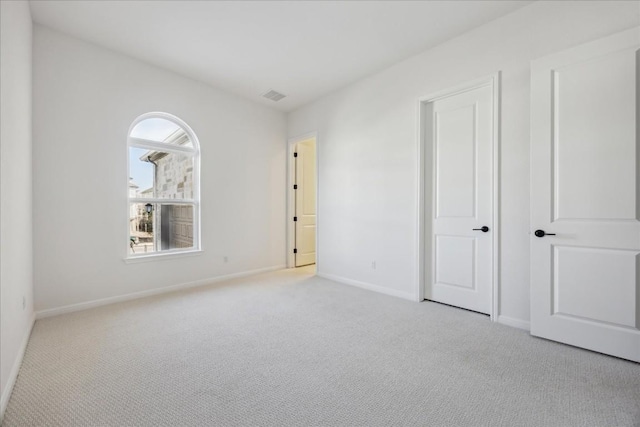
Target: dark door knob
(484, 229)
(541, 233)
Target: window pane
(160, 175)
(141, 231)
(140, 174)
(160, 227)
(175, 227)
(161, 130)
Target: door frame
(425, 201)
(291, 199)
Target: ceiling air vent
(273, 95)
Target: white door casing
(305, 203)
(584, 190)
(459, 136)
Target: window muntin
(163, 186)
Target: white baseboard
(515, 323)
(368, 286)
(135, 295)
(15, 369)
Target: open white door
(460, 135)
(305, 203)
(585, 237)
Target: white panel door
(585, 237)
(460, 128)
(305, 217)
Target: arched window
(164, 186)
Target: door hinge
(295, 251)
(295, 218)
(295, 154)
(295, 186)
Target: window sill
(162, 256)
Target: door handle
(484, 229)
(542, 233)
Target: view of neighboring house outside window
(163, 160)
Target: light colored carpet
(289, 349)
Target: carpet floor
(291, 349)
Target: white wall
(16, 249)
(367, 146)
(85, 98)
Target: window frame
(194, 151)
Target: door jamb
(494, 81)
(291, 208)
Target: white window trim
(195, 202)
(164, 255)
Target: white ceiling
(300, 48)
